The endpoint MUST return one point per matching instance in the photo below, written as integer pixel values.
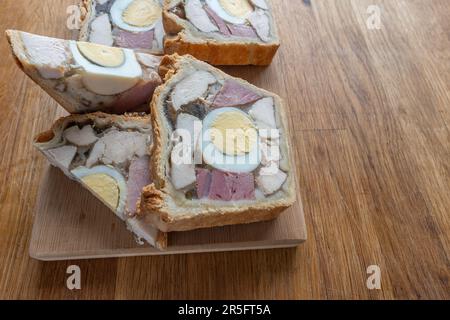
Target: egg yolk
(105, 187)
(142, 13)
(102, 55)
(237, 8)
(233, 133)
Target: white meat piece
(101, 31)
(182, 175)
(49, 56)
(270, 183)
(62, 156)
(117, 147)
(263, 111)
(190, 124)
(82, 138)
(260, 4)
(159, 33)
(198, 16)
(143, 230)
(270, 153)
(148, 60)
(102, 1)
(191, 88)
(260, 22)
(193, 126)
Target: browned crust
(214, 52)
(13, 37)
(153, 206)
(162, 240)
(85, 19)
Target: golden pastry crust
(214, 51)
(157, 203)
(87, 9)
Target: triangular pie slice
(134, 24)
(221, 152)
(110, 156)
(87, 77)
(221, 32)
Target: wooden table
(372, 127)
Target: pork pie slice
(134, 24)
(221, 32)
(110, 156)
(84, 77)
(221, 152)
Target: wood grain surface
(371, 116)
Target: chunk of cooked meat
(260, 22)
(191, 125)
(225, 186)
(263, 111)
(54, 63)
(62, 156)
(182, 175)
(218, 21)
(138, 177)
(260, 4)
(241, 30)
(134, 40)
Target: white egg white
(217, 159)
(108, 80)
(82, 172)
(116, 12)
(222, 13)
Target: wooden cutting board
(70, 223)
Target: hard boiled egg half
(230, 141)
(136, 15)
(106, 70)
(106, 183)
(233, 11)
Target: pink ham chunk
(233, 94)
(225, 186)
(138, 178)
(218, 21)
(134, 40)
(241, 30)
(136, 97)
